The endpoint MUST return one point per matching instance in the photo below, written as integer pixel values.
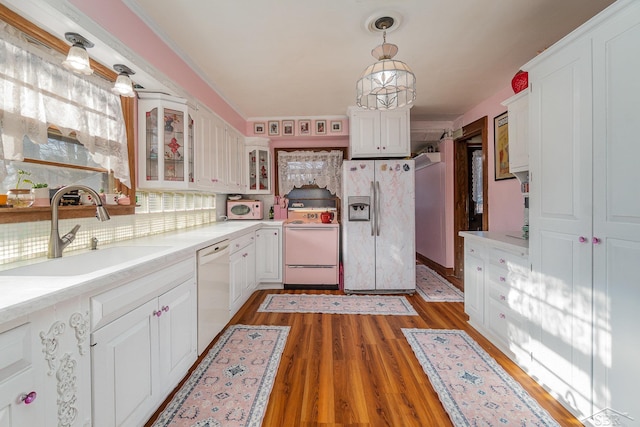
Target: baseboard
(445, 272)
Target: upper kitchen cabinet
(518, 113)
(379, 133)
(236, 169)
(165, 142)
(210, 152)
(258, 160)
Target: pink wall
(506, 205)
(115, 17)
(430, 213)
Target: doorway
(471, 207)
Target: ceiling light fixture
(388, 83)
(123, 85)
(78, 58)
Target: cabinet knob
(157, 313)
(29, 397)
(472, 250)
(596, 240)
(479, 268)
(502, 261)
(503, 298)
(165, 308)
(502, 316)
(502, 279)
(582, 239)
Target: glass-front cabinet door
(165, 142)
(258, 166)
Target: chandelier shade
(123, 85)
(78, 59)
(386, 84)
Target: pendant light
(78, 58)
(388, 83)
(123, 85)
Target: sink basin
(84, 263)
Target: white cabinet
(21, 403)
(165, 143)
(219, 155)
(210, 152)
(258, 162)
(474, 282)
(235, 161)
(518, 113)
(497, 295)
(585, 213)
(242, 270)
(146, 346)
(379, 133)
(269, 255)
(45, 368)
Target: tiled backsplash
(157, 213)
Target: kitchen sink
(84, 263)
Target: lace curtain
(37, 92)
(298, 168)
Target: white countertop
(22, 295)
(501, 238)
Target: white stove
(311, 249)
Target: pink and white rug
(337, 304)
(231, 386)
(474, 389)
(434, 288)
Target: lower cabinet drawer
(316, 275)
(507, 325)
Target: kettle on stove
(326, 217)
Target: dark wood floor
(359, 370)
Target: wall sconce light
(123, 85)
(78, 58)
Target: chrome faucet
(57, 243)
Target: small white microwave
(244, 209)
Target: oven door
(311, 255)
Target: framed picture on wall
(287, 127)
(501, 147)
(336, 126)
(304, 127)
(274, 127)
(258, 127)
(321, 127)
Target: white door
(268, 255)
(561, 222)
(616, 222)
(394, 135)
(358, 237)
(474, 287)
(125, 368)
(364, 133)
(177, 338)
(395, 225)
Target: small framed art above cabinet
(165, 142)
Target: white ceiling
(287, 58)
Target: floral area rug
(337, 304)
(231, 386)
(474, 389)
(433, 288)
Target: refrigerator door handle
(373, 220)
(377, 208)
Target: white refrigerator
(378, 226)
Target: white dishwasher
(213, 292)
